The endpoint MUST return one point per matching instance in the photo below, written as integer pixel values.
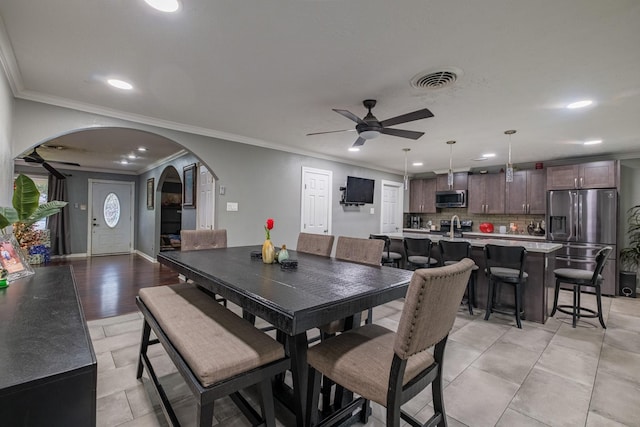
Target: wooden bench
(217, 352)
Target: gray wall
(6, 154)
(264, 182)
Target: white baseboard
(146, 256)
(78, 255)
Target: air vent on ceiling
(436, 79)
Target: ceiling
(269, 72)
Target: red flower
(269, 227)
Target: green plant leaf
(25, 197)
(45, 210)
(7, 217)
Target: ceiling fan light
(164, 5)
(369, 134)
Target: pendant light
(406, 177)
(450, 174)
(509, 174)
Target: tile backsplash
(521, 221)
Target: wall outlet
(372, 211)
(232, 206)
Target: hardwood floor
(108, 285)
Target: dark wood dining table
(316, 292)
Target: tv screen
(359, 190)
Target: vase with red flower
(268, 251)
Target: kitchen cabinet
(422, 196)
(460, 181)
(487, 193)
(527, 193)
(585, 175)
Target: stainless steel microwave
(451, 199)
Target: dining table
(294, 300)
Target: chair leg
(518, 294)
(369, 316)
(144, 344)
(313, 395)
(489, 300)
(204, 417)
(599, 301)
(268, 412)
(576, 303)
(474, 282)
(469, 296)
(555, 298)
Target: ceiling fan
(370, 127)
(34, 157)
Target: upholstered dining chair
(197, 240)
(316, 244)
(389, 367)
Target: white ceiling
(269, 72)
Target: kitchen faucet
(451, 228)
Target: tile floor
(495, 374)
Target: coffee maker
(416, 222)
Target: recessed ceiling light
(124, 162)
(142, 149)
(487, 155)
(580, 104)
(131, 156)
(417, 163)
(354, 149)
(164, 5)
(593, 142)
(479, 159)
(120, 84)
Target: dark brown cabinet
(487, 193)
(422, 195)
(460, 181)
(527, 193)
(586, 175)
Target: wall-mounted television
(359, 190)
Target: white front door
(392, 204)
(206, 199)
(110, 217)
(316, 201)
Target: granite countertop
(482, 235)
(528, 244)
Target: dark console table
(48, 368)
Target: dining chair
(505, 265)
(316, 244)
(388, 256)
(388, 367)
(418, 252)
(579, 278)
(197, 240)
(454, 251)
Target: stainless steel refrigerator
(584, 221)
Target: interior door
(206, 199)
(316, 201)
(111, 217)
(392, 206)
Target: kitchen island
(541, 258)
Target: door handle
(528, 208)
(524, 209)
(95, 225)
(575, 182)
(581, 182)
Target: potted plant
(26, 209)
(630, 256)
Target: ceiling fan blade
(402, 133)
(64, 163)
(53, 170)
(360, 141)
(331, 131)
(409, 117)
(349, 115)
(34, 157)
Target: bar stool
(505, 264)
(452, 252)
(579, 278)
(388, 257)
(418, 252)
